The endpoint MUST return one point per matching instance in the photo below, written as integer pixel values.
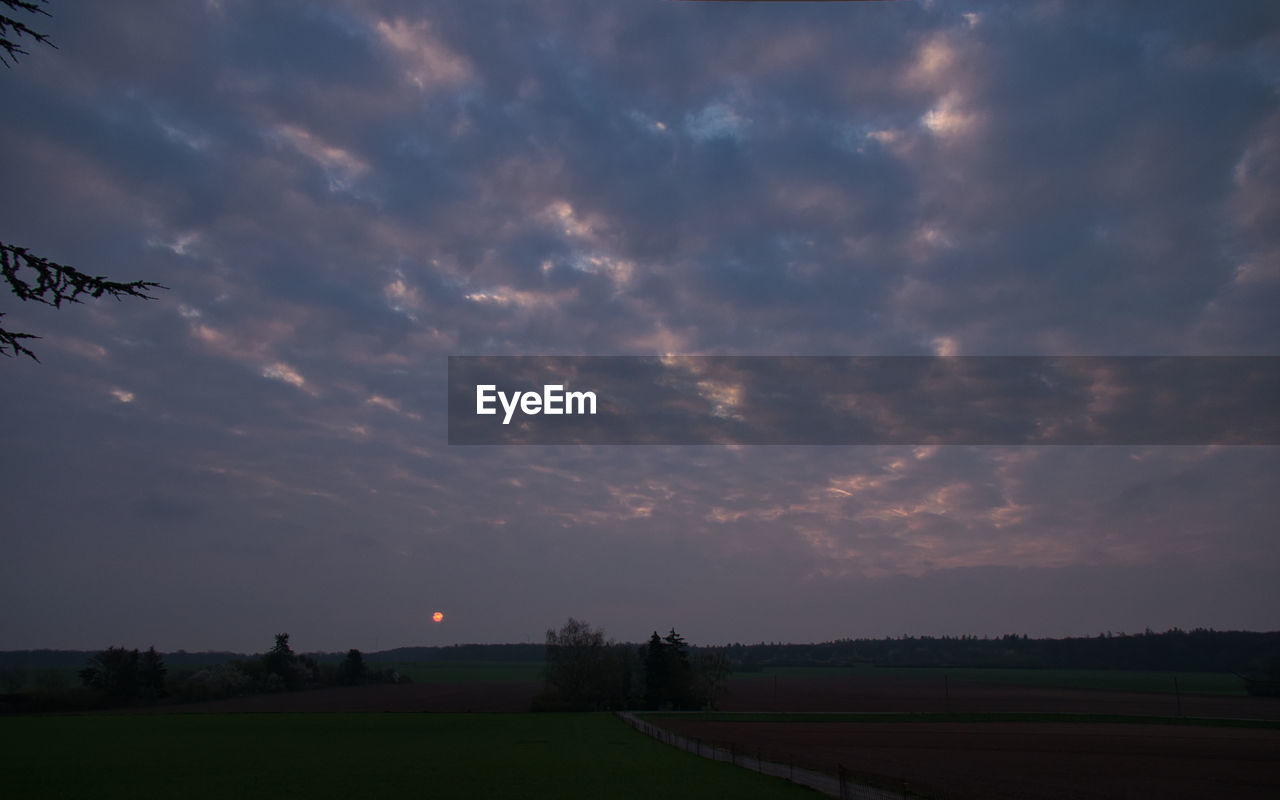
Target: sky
(341, 195)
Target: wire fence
(841, 785)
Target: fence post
(844, 795)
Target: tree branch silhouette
(29, 276)
(32, 277)
(11, 31)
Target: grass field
(1222, 683)
(357, 755)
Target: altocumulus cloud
(342, 196)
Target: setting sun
(437, 617)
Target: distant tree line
(123, 675)
(456, 653)
(118, 677)
(279, 670)
(584, 670)
(587, 672)
(1199, 650)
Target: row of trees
(126, 675)
(117, 676)
(1197, 650)
(280, 670)
(585, 671)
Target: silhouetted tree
(151, 672)
(676, 678)
(29, 276)
(352, 671)
(669, 676)
(655, 672)
(584, 671)
(279, 662)
(679, 672)
(305, 672)
(114, 672)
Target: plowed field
(998, 760)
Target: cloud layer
(342, 197)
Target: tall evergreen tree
(353, 671)
(279, 661)
(655, 672)
(151, 672)
(679, 673)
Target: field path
(822, 782)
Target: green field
(357, 755)
(1222, 683)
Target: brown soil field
(906, 693)
(798, 693)
(450, 697)
(999, 760)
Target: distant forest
(1199, 650)
(1176, 650)
(583, 671)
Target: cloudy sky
(341, 195)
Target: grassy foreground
(357, 755)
